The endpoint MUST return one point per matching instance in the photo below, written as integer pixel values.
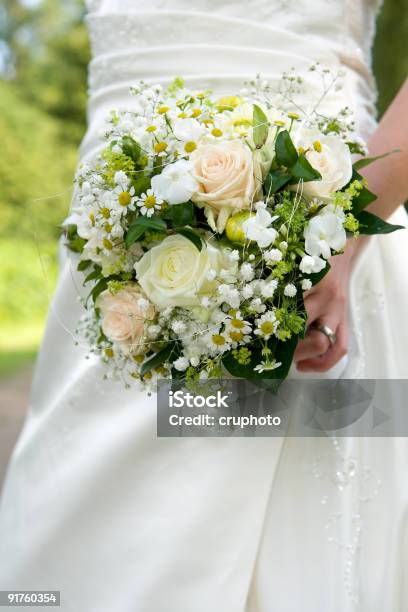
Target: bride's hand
(327, 303)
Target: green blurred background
(43, 57)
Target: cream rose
(124, 315)
(224, 172)
(175, 272)
(330, 156)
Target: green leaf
(83, 265)
(159, 358)
(134, 233)
(131, 148)
(74, 242)
(260, 127)
(96, 273)
(303, 170)
(192, 236)
(181, 214)
(76, 245)
(365, 161)
(97, 290)
(364, 198)
(283, 352)
(371, 224)
(141, 184)
(275, 180)
(140, 225)
(286, 153)
(356, 176)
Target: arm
(388, 179)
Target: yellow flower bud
(234, 230)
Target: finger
(315, 343)
(331, 357)
(314, 307)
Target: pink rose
(224, 172)
(124, 315)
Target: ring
(325, 329)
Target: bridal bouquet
(200, 225)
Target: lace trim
(348, 484)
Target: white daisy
(123, 198)
(267, 325)
(238, 330)
(149, 202)
(267, 366)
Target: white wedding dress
(118, 520)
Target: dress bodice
(220, 44)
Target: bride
(118, 520)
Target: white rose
(224, 172)
(175, 273)
(330, 156)
(324, 232)
(123, 319)
(175, 184)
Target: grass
(26, 283)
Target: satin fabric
(96, 505)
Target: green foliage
(169, 352)
(390, 58)
(115, 162)
(36, 169)
(286, 153)
(371, 224)
(192, 236)
(42, 118)
(289, 215)
(298, 167)
(48, 53)
(261, 127)
(181, 215)
(140, 226)
(282, 352)
(27, 278)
